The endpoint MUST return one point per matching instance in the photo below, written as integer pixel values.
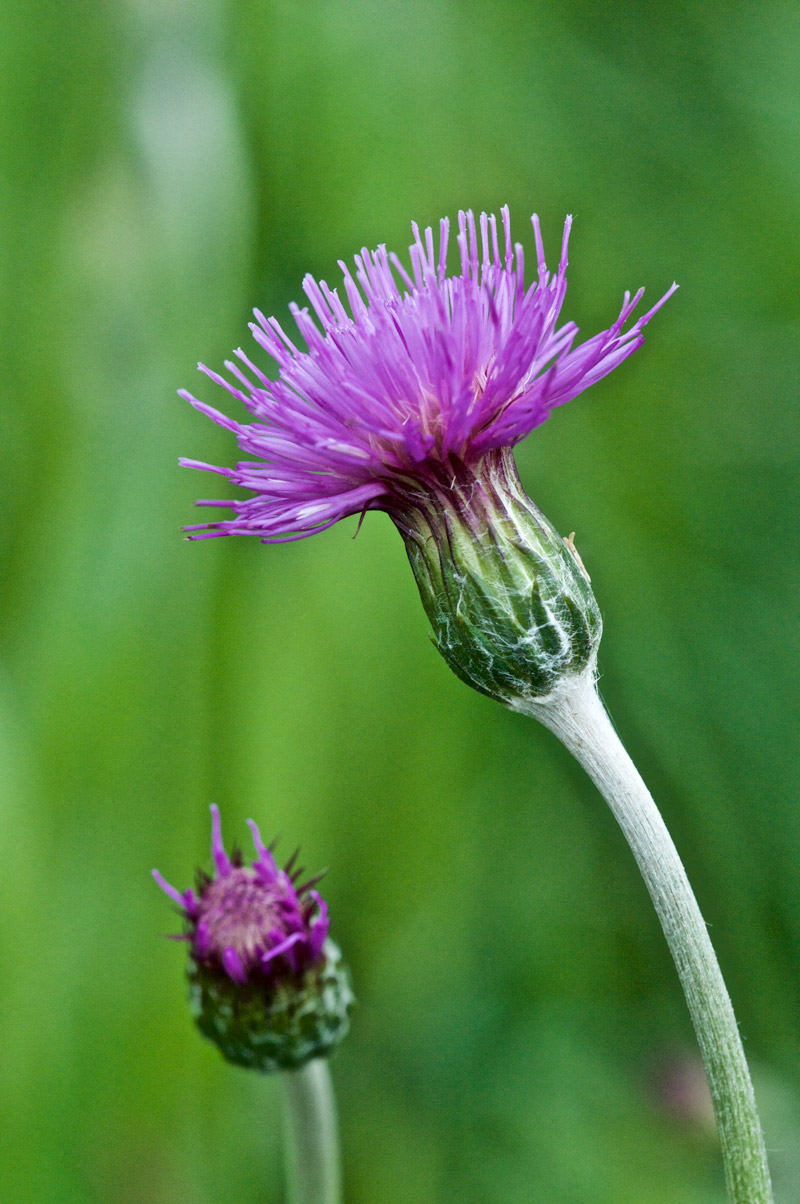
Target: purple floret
(419, 371)
(252, 922)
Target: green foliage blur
(521, 1037)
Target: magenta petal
(283, 947)
(221, 859)
(320, 927)
(422, 369)
(232, 965)
(174, 894)
(264, 865)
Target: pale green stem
(579, 719)
(312, 1143)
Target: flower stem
(579, 719)
(312, 1144)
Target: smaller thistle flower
(267, 984)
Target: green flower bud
(282, 1027)
(509, 600)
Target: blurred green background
(521, 1037)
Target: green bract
(274, 1026)
(512, 610)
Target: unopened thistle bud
(267, 984)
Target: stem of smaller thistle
(580, 721)
(312, 1143)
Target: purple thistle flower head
(409, 399)
(251, 923)
(422, 374)
(268, 985)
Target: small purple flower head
(251, 923)
(423, 374)
(268, 985)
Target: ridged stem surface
(312, 1142)
(580, 721)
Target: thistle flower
(267, 984)
(410, 402)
